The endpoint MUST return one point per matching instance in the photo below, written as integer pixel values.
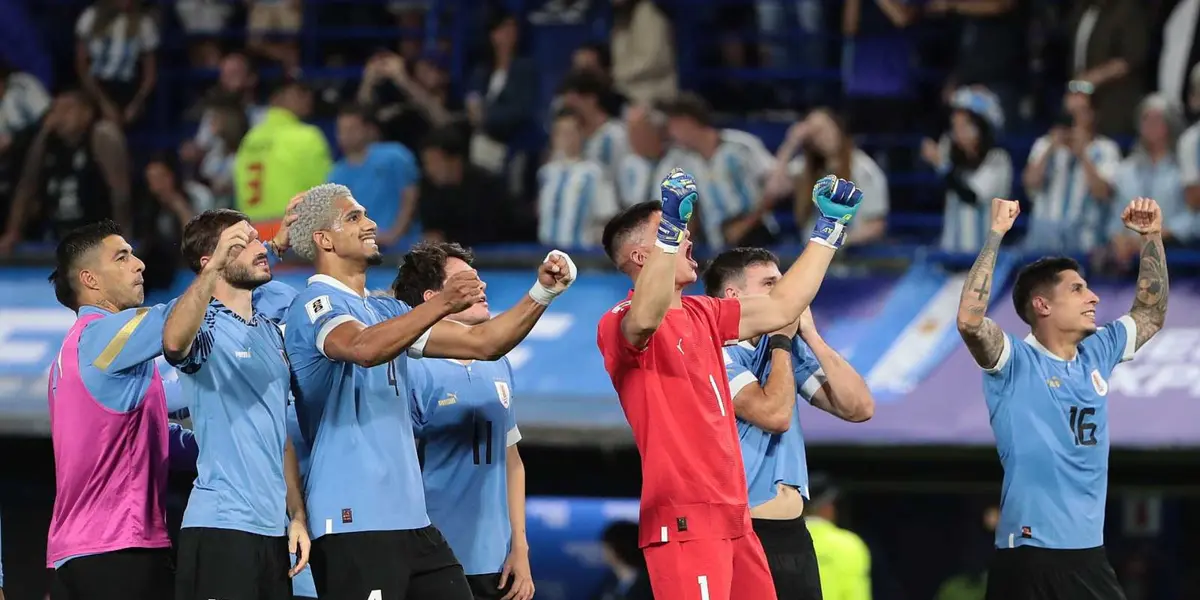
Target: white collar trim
(333, 283)
(1032, 341)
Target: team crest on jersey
(504, 393)
(317, 307)
(1099, 383)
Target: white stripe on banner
(897, 371)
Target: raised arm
(1149, 309)
(836, 387)
(838, 201)
(496, 337)
(654, 288)
(188, 313)
(983, 336)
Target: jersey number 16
(1082, 429)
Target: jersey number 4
(1082, 429)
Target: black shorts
(133, 574)
(232, 565)
(790, 554)
(1031, 573)
(410, 564)
(487, 587)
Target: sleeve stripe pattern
(417, 349)
(514, 436)
(812, 384)
(328, 328)
(740, 381)
(1130, 337)
(117, 344)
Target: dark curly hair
(424, 268)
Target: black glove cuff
(779, 342)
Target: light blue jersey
(364, 474)
(236, 379)
(464, 417)
(1050, 417)
(302, 584)
(772, 458)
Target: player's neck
(351, 275)
(1062, 344)
(677, 299)
(236, 299)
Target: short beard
(375, 260)
(241, 277)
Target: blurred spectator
(1180, 55)
(731, 168)
(1069, 179)
(1151, 171)
(878, 61)
(595, 58)
(227, 125)
(650, 157)
(203, 21)
(23, 102)
(575, 196)
(843, 557)
(604, 138)
(76, 172)
(1108, 52)
(643, 52)
(383, 176)
(1188, 151)
(628, 579)
(460, 202)
(971, 584)
(175, 201)
(408, 105)
(986, 53)
(279, 158)
(114, 57)
(273, 25)
(503, 94)
(827, 149)
(973, 169)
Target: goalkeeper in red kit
(663, 352)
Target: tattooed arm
(983, 337)
(1150, 303)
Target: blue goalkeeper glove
(837, 202)
(678, 202)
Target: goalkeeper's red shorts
(720, 569)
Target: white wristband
(544, 295)
(669, 249)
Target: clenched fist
(462, 291)
(1143, 216)
(1004, 214)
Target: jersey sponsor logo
(317, 307)
(1098, 382)
(504, 393)
(450, 398)
(679, 346)
(1054, 383)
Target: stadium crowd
(451, 143)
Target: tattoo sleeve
(1149, 310)
(983, 337)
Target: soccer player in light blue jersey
(768, 377)
(236, 379)
(1046, 396)
(372, 536)
(463, 415)
(303, 587)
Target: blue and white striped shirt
(639, 177)
(115, 53)
(25, 101)
(1138, 176)
(575, 200)
(731, 182)
(1066, 218)
(965, 226)
(607, 146)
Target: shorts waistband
(1058, 556)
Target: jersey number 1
(392, 379)
(1083, 430)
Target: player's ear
(204, 261)
(88, 279)
(731, 292)
(322, 240)
(428, 295)
(638, 256)
(1041, 307)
